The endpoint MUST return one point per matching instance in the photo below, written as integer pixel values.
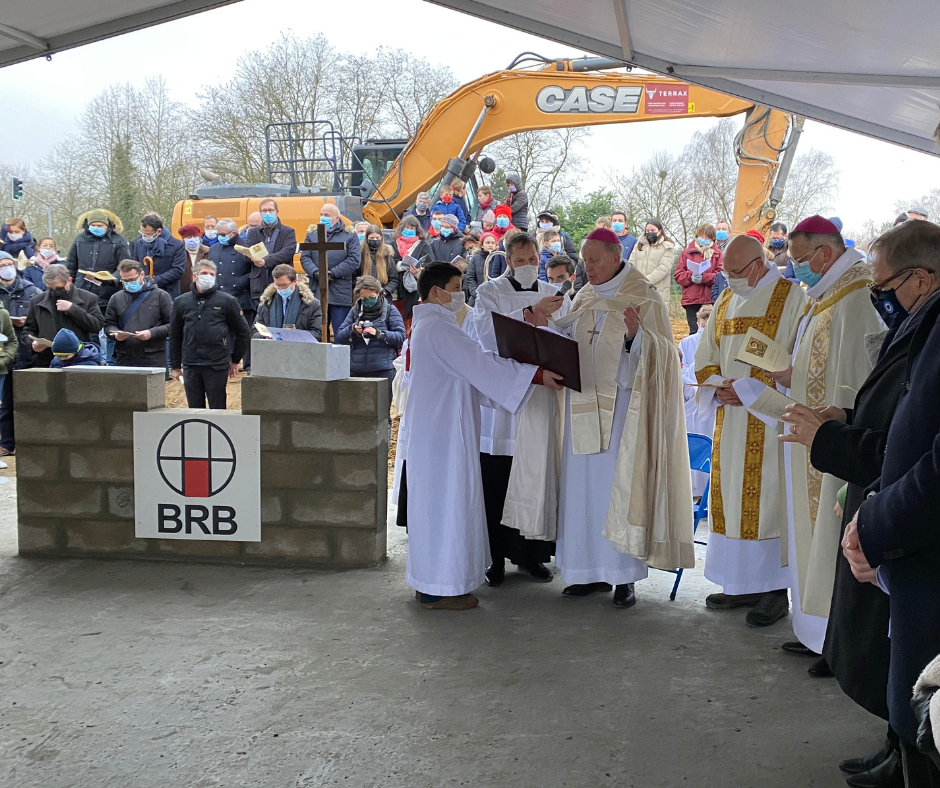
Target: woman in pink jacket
(696, 282)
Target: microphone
(565, 288)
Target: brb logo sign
(197, 478)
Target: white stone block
(299, 360)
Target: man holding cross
(343, 254)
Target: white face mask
(8, 273)
(15, 236)
(205, 281)
(740, 287)
(457, 302)
(48, 253)
(526, 275)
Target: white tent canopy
(866, 65)
(43, 27)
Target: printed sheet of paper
(697, 269)
(765, 402)
(762, 352)
(286, 334)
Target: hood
(114, 223)
(306, 294)
(516, 180)
(331, 229)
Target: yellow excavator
(377, 180)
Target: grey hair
(55, 273)
(909, 245)
(226, 226)
(203, 265)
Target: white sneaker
(3, 465)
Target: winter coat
(446, 249)
(342, 265)
(91, 253)
(25, 244)
(692, 292)
(200, 328)
(453, 208)
(462, 202)
(423, 219)
(422, 249)
(281, 243)
(627, 241)
(655, 262)
(390, 288)
(897, 526)
(15, 299)
(192, 263)
(382, 350)
(498, 263)
(309, 317)
(718, 286)
(33, 273)
(518, 203)
(43, 320)
(474, 276)
(233, 273)
(169, 260)
(481, 209)
(88, 356)
(153, 314)
(9, 346)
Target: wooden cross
(321, 247)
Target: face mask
(777, 242)
(526, 275)
(436, 224)
(805, 274)
(133, 287)
(374, 244)
(421, 207)
(212, 234)
(8, 273)
(502, 221)
(545, 225)
(205, 281)
(703, 242)
(456, 303)
(409, 233)
(192, 244)
(512, 189)
(15, 236)
(326, 220)
(446, 232)
(721, 235)
(371, 302)
(285, 293)
(59, 293)
(98, 232)
(223, 239)
(617, 227)
(148, 239)
(555, 246)
(888, 306)
(269, 218)
(447, 199)
(740, 287)
(652, 237)
(48, 253)
(362, 237)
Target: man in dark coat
(15, 296)
(138, 319)
(168, 254)
(342, 266)
(203, 320)
(287, 302)
(233, 271)
(281, 243)
(61, 306)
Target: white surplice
(439, 441)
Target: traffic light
(17, 188)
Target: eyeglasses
(811, 254)
(878, 287)
(740, 274)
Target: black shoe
(624, 596)
(887, 774)
(496, 574)
(538, 572)
(795, 647)
(731, 601)
(820, 669)
(858, 765)
(586, 589)
(771, 608)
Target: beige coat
(656, 263)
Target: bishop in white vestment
(747, 506)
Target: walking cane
(148, 261)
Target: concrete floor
(161, 675)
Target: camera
(364, 324)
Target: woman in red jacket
(697, 286)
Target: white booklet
(762, 352)
(697, 269)
(765, 402)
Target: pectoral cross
(321, 247)
(594, 331)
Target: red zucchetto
(817, 225)
(603, 235)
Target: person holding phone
(138, 319)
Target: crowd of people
(829, 505)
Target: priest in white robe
(512, 295)
(440, 491)
(747, 506)
(619, 449)
(829, 364)
(699, 421)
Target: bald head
(744, 259)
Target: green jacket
(7, 348)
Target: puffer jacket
(382, 350)
(518, 203)
(91, 253)
(15, 299)
(696, 292)
(474, 276)
(153, 314)
(309, 318)
(655, 262)
(343, 266)
(24, 244)
(446, 249)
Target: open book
(257, 252)
(540, 348)
(100, 276)
(763, 401)
(22, 261)
(697, 269)
(762, 352)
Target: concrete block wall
(324, 450)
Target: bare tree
(930, 202)
(712, 170)
(810, 187)
(411, 88)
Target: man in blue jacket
(342, 266)
(168, 254)
(618, 223)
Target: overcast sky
(203, 50)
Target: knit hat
(603, 235)
(190, 231)
(836, 221)
(503, 210)
(488, 234)
(451, 219)
(756, 234)
(489, 217)
(549, 215)
(97, 215)
(817, 225)
(65, 343)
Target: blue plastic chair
(700, 459)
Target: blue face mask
(269, 218)
(223, 239)
(617, 227)
(408, 233)
(555, 246)
(776, 243)
(133, 287)
(446, 232)
(285, 293)
(703, 241)
(98, 232)
(362, 237)
(502, 221)
(721, 235)
(326, 220)
(805, 274)
(436, 224)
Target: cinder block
(283, 395)
(357, 548)
(38, 536)
(119, 426)
(297, 544)
(271, 430)
(362, 397)
(55, 426)
(59, 500)
(295, 470)
(271, 509)
(91, 536)
(37, 462)
(131, 389)
(121, 502)
(332, 434)
(100, 464)
(196, 548)
(355, 472)
(39, 386)
(356, 510)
